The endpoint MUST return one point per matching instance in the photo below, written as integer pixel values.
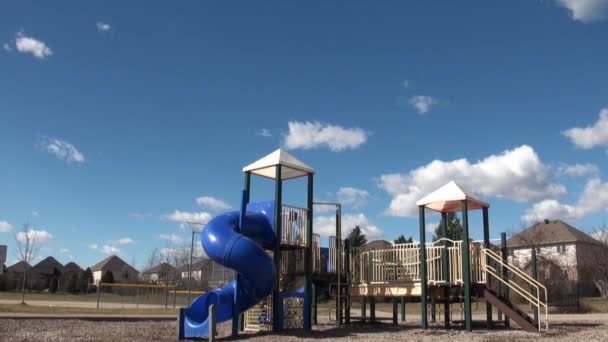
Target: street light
(196, 227)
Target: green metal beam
(276, 302)
(466, 267)
(445, 260)
(423, 279)
(505, 272)
(486, 244)
(308, 259)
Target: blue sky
(116, 117)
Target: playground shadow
(328, 331)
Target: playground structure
(276, 256)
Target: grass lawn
(150, 298)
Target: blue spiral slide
(243, 252)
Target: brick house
(122, 272)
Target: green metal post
(314, 304)
(395, 310)
(433, 309)
(402, 309)
(466, 267)
(423, 280)
(535, 276)
(363, 306)
(372, 309)
(486, 244)
(505, 274)
(347, 299)
(308, 259)
(276, 293)
(445, 260)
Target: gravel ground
(16, 330)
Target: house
(14, 276)
(69, 280)
(2, 258)
(207, 274)
(565, 257)
(45, 274)
(162, 273)
(121, 271)
(377, 244)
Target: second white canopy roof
(448, 199)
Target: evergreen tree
(72, 285)
(356, 238)
(84, 279)
(402, 239)
(107, 277)
(454, 229)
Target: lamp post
(196, 227)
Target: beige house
(122, 272)
(566, 256)
(162, 273)
(377, 244)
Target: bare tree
(600, 260)
(27, 249)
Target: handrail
(533, 299)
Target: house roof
(112, 262)
(377, 244)
(72, 267)
(548, 233)
(18, 266)
(290, 166)
(448, 199)
(163, 266)
(48, 266)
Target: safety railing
(536, 294)
(334, 254)
(293, 225)
(401, 263)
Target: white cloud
(212, 203)
(353, 197)
(173, 238)
(578, 170)
(516, 174)
(309, 135)
(106, 249)
(5, 227)
(124, 241)
(264, 132)
(33, 46)
(590, 136)
(183, 217)
(62, 150)
(430, 227)
(93, 246)
(594, 199)
(36, 236)
(102, 27)
(326, 225)
(586, 11)
(7, 47)
(423, 103)
(64, 250)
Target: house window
(125, 275)
(561, 249)
(537, 250)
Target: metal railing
(293, 225)
(535, 298)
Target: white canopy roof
(290, 166)
(448, 198)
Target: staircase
(522, 319)
(532, 291)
